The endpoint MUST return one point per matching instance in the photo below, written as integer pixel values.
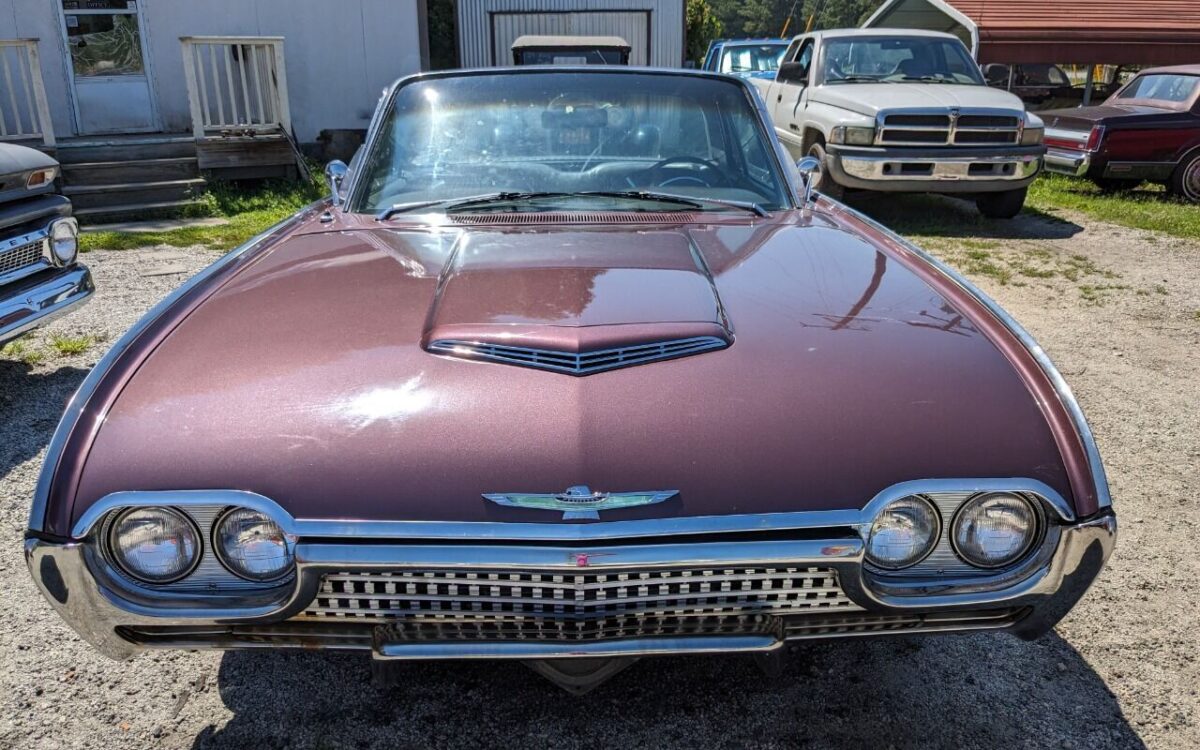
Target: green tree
(766, 18)
(703, 26)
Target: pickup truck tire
(1185, 182)
(1002, 205)
(826, 185)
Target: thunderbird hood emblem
(580, 502)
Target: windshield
(568, 134)
(1163, 87)
(915, 58)
(752, 58)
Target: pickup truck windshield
(895, 59)
(545, 140)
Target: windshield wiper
(457, 204)
(929, 79)
(858, 79)
(683, 200)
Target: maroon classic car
(572, 368)
(1148, 131)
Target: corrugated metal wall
(632, 27)
(653, 28)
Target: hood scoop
(579, 363)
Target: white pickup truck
(902, 110)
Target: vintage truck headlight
(903, 533)
(251, 545)
(154, 545)
(852, 136)
(64, 241)
(994, 529)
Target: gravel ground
(1118, 309)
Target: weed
(71, 344)
(20, 350)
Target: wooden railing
(24, 111)
(236, 85)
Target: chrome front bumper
(931, 170)
(105, 615)
(1064, 161)
(39, 299)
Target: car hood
(305, 378)
(869, 98)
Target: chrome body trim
(885, 167)
(577, 363)
(37, 511)
(1065, 394)
(580, 502)
(1063, 161)
(692, 645)
(30, 307)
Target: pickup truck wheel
(1003, 205)
(1185, 182)
(826, 185)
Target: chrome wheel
(1190, 184)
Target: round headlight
(64, 241)
(994, 529)
(904, 532)
(252, 545)
(155, 545)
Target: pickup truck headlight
(852, 136)
(1032, 136)
(64, 241)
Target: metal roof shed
(1145, 32)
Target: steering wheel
(712, 167)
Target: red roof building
(1121, 32)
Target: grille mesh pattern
(21, 256)
(967, 130)
(578, 363)
(502, 604)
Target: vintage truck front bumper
(934, 170)
(39, 299)
(834, 595)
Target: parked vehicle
(749, 58)
(1148, 131)
(903, 111)
(569, 370)
(570, 50)
(40, 278)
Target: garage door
(633, 27)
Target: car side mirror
(810, 174)
(335, 175)
(793, 72)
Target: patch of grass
(1148, 207)
(72, 344)
(23, 352)
(250, 210)
(1097, 294)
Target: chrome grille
(967, 129)
(578, 363)
(21, 256)
(508, 604)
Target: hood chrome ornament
(579, 502)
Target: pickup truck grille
(967, 129)
(17, 258)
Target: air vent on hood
(575, 217)
(578, 363)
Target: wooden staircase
(124, 178)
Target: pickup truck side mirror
(335, 174)
(793, 72)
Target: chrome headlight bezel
(64, 233)
(240, 571)
(1031, 537)
(122, 564)
(930, 544)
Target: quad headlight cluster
(989, 530)
(158, 545)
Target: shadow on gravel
(30, 407)
(942, 216)
(983, 690)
